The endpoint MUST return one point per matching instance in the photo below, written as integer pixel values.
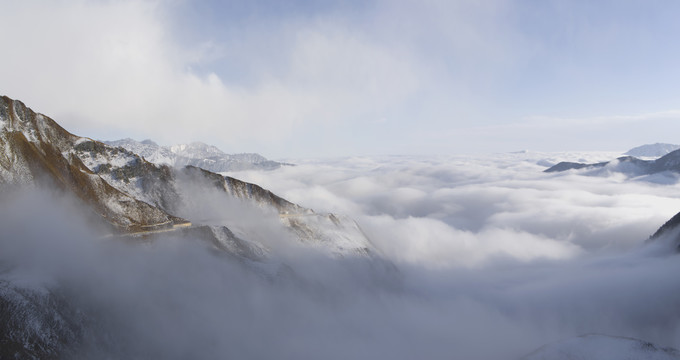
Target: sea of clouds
(493, 259)
(454, 211)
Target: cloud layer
(495, 259)
(456, 210)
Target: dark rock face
(566, 165)
(668, 226)
(669, 162)
(36, 323)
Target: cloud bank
(495, 259)
(456, 210)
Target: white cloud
(467, 211)
(103, 67)
(172, 297)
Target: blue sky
(332, 78)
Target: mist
(492, 259)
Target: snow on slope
(41, 323)
(602, 347)
(335, 234)
(147, 149)
(139, 200)
(39, 152)
(197, 154)
(652, 150)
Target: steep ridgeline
(133, 199)
(628, 165)
(138, 197)
(36, 151)
(668, 234)
(195, 154)
(338, 234)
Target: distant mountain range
(629, 165)
(197, 154)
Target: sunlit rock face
(133, 195)
(130, 199)
(39, 152)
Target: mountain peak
(136, 196)
(652, 150)
(197, 154)
(196, 150)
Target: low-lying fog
(495, 259)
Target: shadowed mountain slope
(628, 165)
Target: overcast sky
(303, 78)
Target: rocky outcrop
(133, 195)
(39, 152)
(138, 201)
(36, 323)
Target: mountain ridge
(628, 165)
(652, 150)
(136, 196)
(130, 199)
(197, 154)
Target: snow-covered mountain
(130, 198)
(38, 152)
(197, 154)
(652, 150)
(602, 347)
(133, 195)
